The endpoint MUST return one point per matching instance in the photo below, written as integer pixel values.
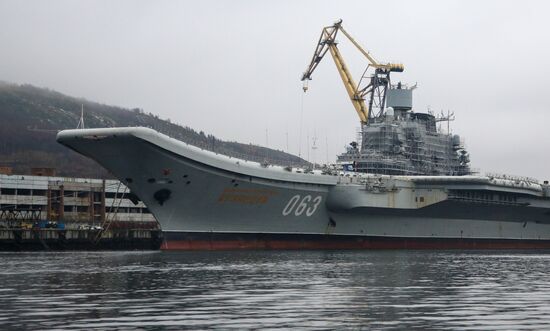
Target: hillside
(32, 116)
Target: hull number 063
(298, 205)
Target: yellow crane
(378, 82)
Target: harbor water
(392, 290)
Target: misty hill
(31, 116)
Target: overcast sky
(232, 68)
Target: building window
(39, 192)
(23, 191)
(81, 209)
(8, 191)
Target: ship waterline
(208, 201)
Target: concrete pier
(18, 239)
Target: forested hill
(30, 118)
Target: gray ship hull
(208, 201)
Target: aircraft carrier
(404, 184)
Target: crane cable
(301, 122)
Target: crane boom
(327, 42)
(365, 53)
(357, 101)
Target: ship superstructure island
(395, 140)
(404, 184)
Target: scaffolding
(407, 144)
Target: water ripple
(321, 290)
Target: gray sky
(232, 68)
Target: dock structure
(49, 212)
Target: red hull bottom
(262, 241)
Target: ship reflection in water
(276, 289)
